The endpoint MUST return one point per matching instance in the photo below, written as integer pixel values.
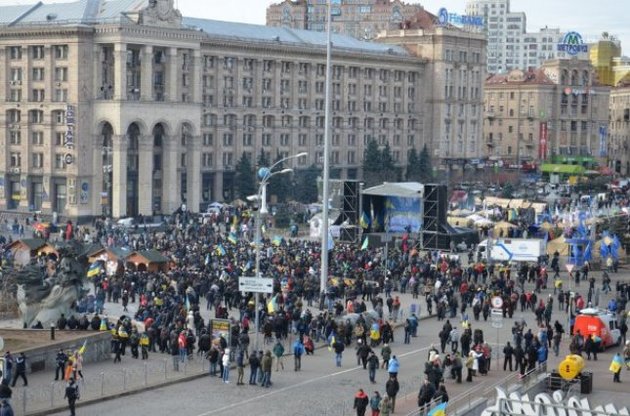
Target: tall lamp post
(264, 175)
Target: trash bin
(586, 382)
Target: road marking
(303, 383)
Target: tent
(558, 244)
(460, 212)
(501, 228)
(459, 221)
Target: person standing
(61, 359)
(8, 366)
(240, 357)
(508, 352)
(338, 347)
(425, 395)
(361, 402)
(615, 367)
(386, 353)
(267, 364)
(393, 367)
(278, 351)
(298, 351)
(5, 408)
(385, 407)
(254, 364)
(392, 387)
(225, 360)
(72, 394)
(20, 369)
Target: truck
(512, 249)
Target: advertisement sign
(85, 193)
(403, 213)
(218, 328)
(445, 18)
(602, 141)
(572, 43)
(69, 139)
(542, 140)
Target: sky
(588, 17)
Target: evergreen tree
(244, 178)
(305, 184)
(262, 162)
(413, 173)
(424, 165)
(389, 172)
(279, 185)
(371, 164)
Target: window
(38, 160)
(60, 138)
(302, 139)
(59, 117)
(61, 51)
(286, 67)
(367, 90)
(228, 62)
(37, 138)
(285, 86)
(182, 160)
(352, 140)
(353, 72)
(38, 95)
(266, 139)
(284, 139)
(16, 159)
(321, 70)
(15, 137)
(60, 162)
(247, 139)
(247, 101)
(228, 139)
(206, 160)
(208, 139)
(303, 68)
(369, 73)
(15, 52)
(38, 74)
(267, 66)
(319, 87)
(319, 104)
(37, 52)
(266, 102)
(14, 116)
(16, 74)
(302, 87)
(367, 106)
(208, 62)
(248, 64)
(36, 116)
(15, 95)
(61, 95)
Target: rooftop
(518, 77)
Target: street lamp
(264, 175)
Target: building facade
(619, 139)
(362, 19)
(557, 109)
(602, 54)
(510, 46)
(456, 58)
(131, 109)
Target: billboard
(403, 214)
(543, 140)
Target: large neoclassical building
(123, 107)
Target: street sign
(496, 321)
(497, 302)
(570, 267)
(257, 285)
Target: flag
(187, 303)
(588, 252)
(95, 269)
(83, 347)
(603, 250)
(263, 229)
(272, 306)
(439, 410)
(331, 241)
(364, 222)
(364, 246)
(220, 250)
(614, 248)
(277, 240)
(232, 238)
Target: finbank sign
(444, 18)
(572, 43)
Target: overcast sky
(589, 17)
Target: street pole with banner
(496, 317)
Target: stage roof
(399, 189)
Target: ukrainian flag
(95, 269)
(220, 250)
(439, 410)
(277, 240)
(272, 306)
(364, 222)
(232, 238)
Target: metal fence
(104, 384)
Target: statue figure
(161, 13)
(43, 298)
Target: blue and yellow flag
(364, 222)
(439, 410)
(277, 240)
(95, 269)
(220, 250)
(272, 306)
(232, 238)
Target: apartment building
(619, 129)
(557, 109)
(122, 108)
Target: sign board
(497, 302)
(572, 43)
(220, 328)
(503, 251)
(496, 321)
(570, 267)
(256, 285)
(444, 18)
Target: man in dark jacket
(361, 402)
(426, 393)
(508, 352)
(372, 367)
(20, 369)
(391, 388)
(61, 359)
(72, 394)
(254, 364)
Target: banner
(403, 213)
(220, 328)
(542, 143)
(602, 141)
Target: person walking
(72, 394)
(385, 407)
(338, 347)
(298, 351)
(372, 367)
(225, 360)
(392, 387)
(615, 367)
(278, 352)
(20, 369)
(61, 359)
(361, 402)
(375, 403)
(393, 367)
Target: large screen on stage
(403, 214)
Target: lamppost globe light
(302, 154)
(287, 170)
